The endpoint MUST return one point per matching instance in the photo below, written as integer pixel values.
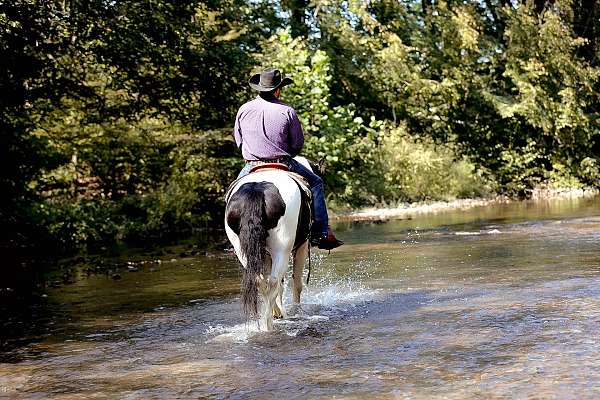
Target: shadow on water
(84, 293)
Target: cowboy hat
(268, 80)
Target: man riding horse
(268, 131)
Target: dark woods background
(116, 115)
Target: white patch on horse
(279, 246)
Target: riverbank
(409, 210)
(212, 240)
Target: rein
(309, 264)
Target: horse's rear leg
(280, 266)
(273, 290)
(278, 309)
(299, 259)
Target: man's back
(266, 128)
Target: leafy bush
(590, 171)
(131, 179)
(416, 170)
(115, 117)
(367, 162)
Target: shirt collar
(270, 100)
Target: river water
(500, 301)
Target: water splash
(239, 333)
(327, 296)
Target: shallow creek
(500, 301)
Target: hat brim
(254, 83)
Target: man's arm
(237, 131)
(296, 135)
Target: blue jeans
(320, 218)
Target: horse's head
(318, 167)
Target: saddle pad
(302, 183)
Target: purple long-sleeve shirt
(267, 129)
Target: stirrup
(325, 242)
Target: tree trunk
(427, 7)
(541, 5)
(585, 16)
(298, 10)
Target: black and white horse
(267, 219)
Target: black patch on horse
(304, 219)
(274, 206)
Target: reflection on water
(496, 302)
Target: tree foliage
(115, 117)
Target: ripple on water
(320, 302)
(511, 315)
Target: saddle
(269, 166)
(262, 167)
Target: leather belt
(281, 160)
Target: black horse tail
(253, 242)
(252, 211)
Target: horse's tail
(253, 240)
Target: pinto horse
(267, 219)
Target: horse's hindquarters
(261, 220)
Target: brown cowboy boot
(329, 241)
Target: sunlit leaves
(118, 114)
